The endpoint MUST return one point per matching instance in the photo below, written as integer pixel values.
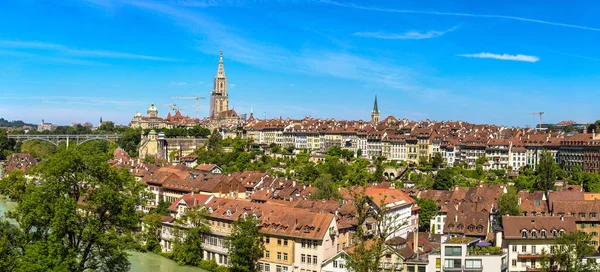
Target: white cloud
(410, 35)
(63, 49)
(518, 57)
(177, 83)
(506, 17)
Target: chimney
(593, 134)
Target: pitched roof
(513, 225)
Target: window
(534, 234)
(537, 202)
(593, 225)
(285, 242)
(267, 240)
(514, 248)
(278, 255)
(267, 267)
(303, 244)
(532, 263)
(543, 233)
(303, 258)
(315, 244)
(582, 215)
(593, 215)
(278, 268)
(314, 259)
(471, 228)
(473, 263)
(279, 242)
(335, 264)
(452, 263)
(523, 234)
(453, 251)
(308, 259)
(533, 251)
(551, 249)
(523, 249)
(514, 262)
(285, 256)
(594, 233)
(268, 254)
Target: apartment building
(528, 238)
(462, 254)
(586, 214)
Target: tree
(246, 245)
(359, 153)
(568, 128)
(214, 142)
(14, 185)
(570, 251)
(437, 160)
(481, 160)
(6, 145)
(576, 175)
(326, 188)
(107, 126)
(546, 169)
(190, 231)
(443, 180)
(80, 217)
(162, 208)
(378, 175)
(428, 210)
(369, 250)
(508, 204)
(152, 227)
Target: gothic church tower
(219, 101)
(375, 113)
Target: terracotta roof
(513, 225)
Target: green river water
(140, 262)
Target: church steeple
(375, 113)
(219, 100)
(221, 71)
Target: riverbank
(140, 262)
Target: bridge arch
(54, 143)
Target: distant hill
(19, 123)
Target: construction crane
(172, 107)
(540, 113)
(191, 98)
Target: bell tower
(219, 100)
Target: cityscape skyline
(441, 61)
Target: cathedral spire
(375, 113)
(221, 71)
(375, 109)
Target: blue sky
(477, 61)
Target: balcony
(453, 268)
(473, 269)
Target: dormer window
(480, 228)
(554, 234)
(582, 215)
(538, 202)
(523, 234)
(543, 234)
(228, 213)
(562, 232)
(471, 227)
(534, 234)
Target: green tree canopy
(326, 188)
(546, 169)
(570, 251)
(428, 211)
(190, 231)
(80, 217)
(508, 204)
(443, 180)
(246, 245)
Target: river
(140, 262)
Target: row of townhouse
(457, 142)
